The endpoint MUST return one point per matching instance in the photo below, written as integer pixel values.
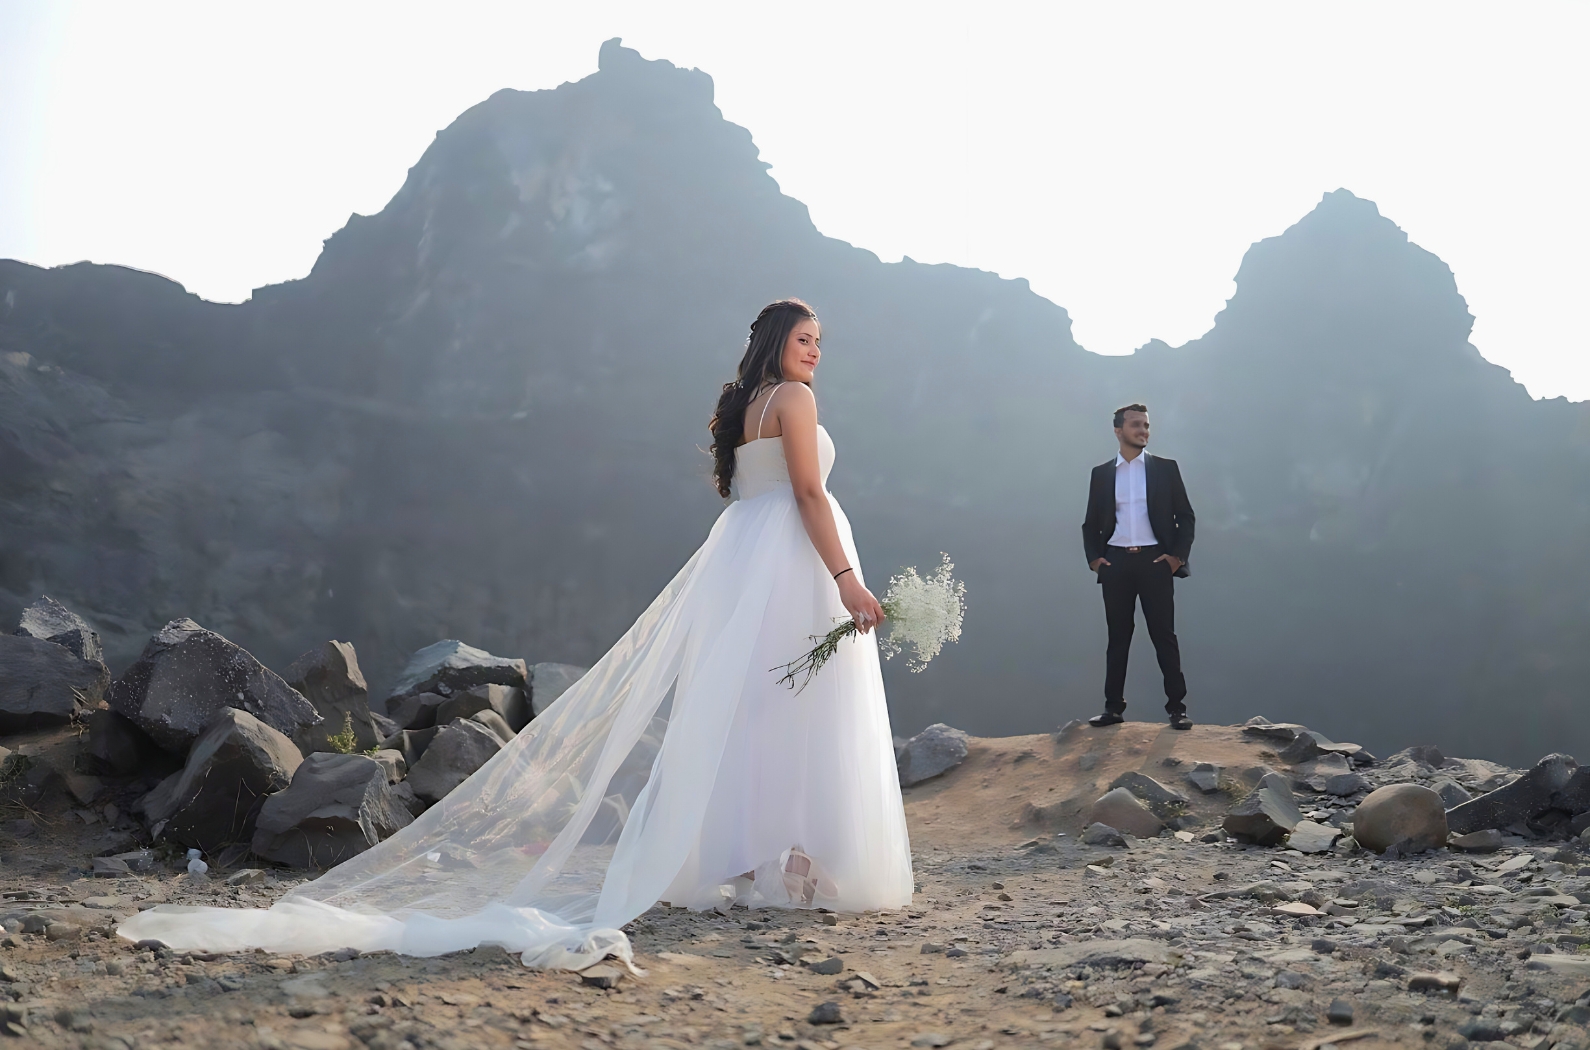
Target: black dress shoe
(1180, 722)
(1108, 718)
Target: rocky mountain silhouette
(482, 416)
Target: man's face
(1133, 430)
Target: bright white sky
(1121, 156)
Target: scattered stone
(825, 1013)
(1340, 1011)
(931, 1039)
(937, 749)
(1443, 981)
(1322, 946)
(187, 675)
(456, 752)
(1266, 815)
(1309, 837)
(1125, 812)
(505, 701)
(1205, 776)
(1565, 965)
(1452, 793)
(336, 807)
(1101, 835)
(216, 797)
(246, 877)
(44, 684)
(548, 681)
(1488, 841)
(1525, 798)
(1408, 816)
(1296, 910)
(330, 679)
(827, 967)
(392, 761)
(1345, 785)
(601, 976)
(1094, 953)
(50, 621)
(1165, 803)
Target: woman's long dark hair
(762, 365)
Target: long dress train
(676, 769)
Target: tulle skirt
(677, 770)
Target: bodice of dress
(759, 466)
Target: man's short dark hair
(1120, 414)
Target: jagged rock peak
(617, 61)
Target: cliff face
(481, 415)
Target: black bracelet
(841, 572)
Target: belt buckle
(1133, 550)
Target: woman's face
(802, 351)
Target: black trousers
(1132, 577)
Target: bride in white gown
(677, 769)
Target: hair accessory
(841, 572)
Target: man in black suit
(1137, 536)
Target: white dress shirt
(1131, 503)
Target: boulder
(1409, 816)
(1101, 835)
(1488, 841)
(330, 679)
(187, 675)
(214, 800)
(416, 710)
(384, 725)
(1166, 804)
(1344, 785)
(1205, 776)
(411, 744)
(493, 721)
(457, 751)
(1452, 793)
(1126, 813)
(1267, 815)
(50, 621)
(937, 749)
(1574, 797)
(507, 701)
(404, 796)
(337, 806)
(117, 747)
(450, 666)
(548, 681)
(44, 684)
(392, 761)
(1525, 798)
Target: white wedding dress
(673, 769)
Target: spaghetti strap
(765, 406)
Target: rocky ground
(1018, 936)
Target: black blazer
(1170, 515)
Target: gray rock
(416, 710)
(1280, 732)
(330, 679)
(1452, 793)
(1126, 813)
(1340, 1011)
(1266, 815)
(450, 666)
(936, 750)
(404, 796)
(393, 762)
(1345, 785)
(1309, 837)
(1205, 776)
(1165, 803)
(1574, 797)
(456, 752)
(411, 744)
(187, 675)
(50, 621)
(493, 721)
(1488, 841)
(1410, 817)
(548, 681)
(825, 1013)
(45, 684)
(1101, 835)
(215, 799)
(1525, 798)
(506, 701)
(1093, 953)
(384, 725)
(117, 747)
(336, 807)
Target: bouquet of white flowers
(924, 612)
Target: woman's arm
(796, 413)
